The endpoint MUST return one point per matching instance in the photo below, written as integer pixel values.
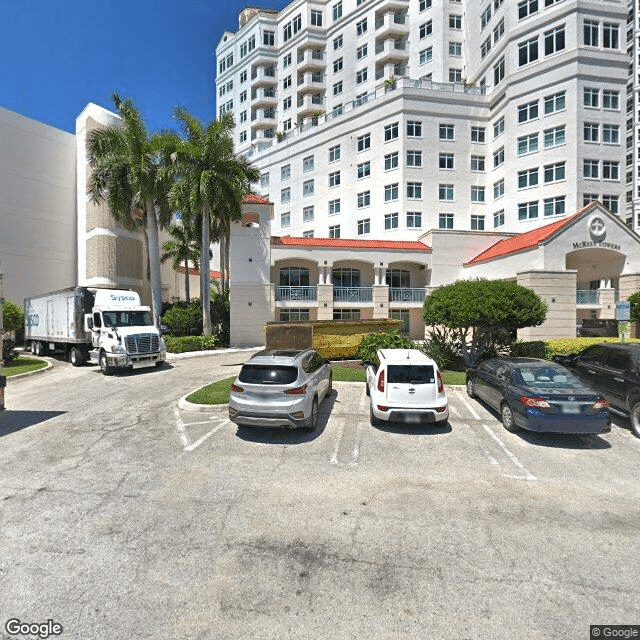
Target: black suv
(596, 328)
(614, 370)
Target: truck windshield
(127, 318)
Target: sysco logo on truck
(32, 319)
(122, 298)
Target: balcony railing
(353, 294)
(406, 295)
(586, 297)
(302, 294)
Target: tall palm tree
(126, 174)
(212, 181)
(183, 248)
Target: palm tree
(184, 248)
(212, 181)
(126, 174)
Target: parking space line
(466, 404)
(354, 459)
(182, 430)
(197, 443)
(527, 474)
(492, 460)
(187, 445)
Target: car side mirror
(367, 363)
(163, 329)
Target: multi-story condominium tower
(393, 117)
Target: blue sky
(58, 55)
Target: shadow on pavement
(12, 421)
(420, 429)
(564, 441)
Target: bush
(564, 346)
(382, 340)
(444, 347)
(181, 344)
(185, 319)
(532, 349)
(13, 316)
(8, 354)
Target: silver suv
(280, 388)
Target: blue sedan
(539, 395)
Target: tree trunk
(153, 246)
(227, 249)
(222, 265)
(205, 274)
(186, 279)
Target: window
(414, 219)
(361, 52)
(286, 83)
(286, 61)
(426, 29)
(286, 103)
(391, 132)
(498, 189)
(485, 47)
(455, 49)
(591, 131)
(414, 158)
(243, 76)
(414, 129)
(364, 142)
(446, 161)
(264, 180)
(391, 161)
(426, 55)
(528, 144)
(361, 76)
(269, 38)
(455, 21)
(591, 33)
(610, 170)
(498, 71)
(286, 31)
(337, 65)
(361, 27)
(477, 134)
(336, 11)
(243, 116)
(285, 195)
(347, 314)
(391, 192)
(554, 137)
(364, 199)
(553, 103)
(294, 315)
(590, 169)
(528, 210)
(307, 214)
(243, 96)
(477, 163)
(455, 75)
(588, 197)
(591, 98)
(554, 40)
(285, 219)
(297, 23)
(527, 178)
(364, 226)
(337, 42)
(445, 192)
(527, 8)
(528, 51)
(610, 100)
(414, 190)
(364, 170)
(334, 207)
(477, 195)
(610, 36)
(527, 111)
(334, 179)
(498, 157)
(498, 31)
(498, 128)
(445, 221)
(334, 231)
(307, 164)
(337, 88)
(611, 202)
(334, 153)
(498, 218)
(390, 220)
(446, 132)
(477, 223)
(243, 136)
(316, 18)
(485, 17)
(425, 4)
(285, 172)
(554, 172)
(554, 206)
(611, 133)
(307, 188)
(307, 234)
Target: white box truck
(108, 327)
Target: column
(325, 290)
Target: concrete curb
(211, 352)
(32, 373)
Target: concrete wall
(37, 207)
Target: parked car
(280, 388)
(405, 386)
(596, 328)
(612, 369)
(539, 395)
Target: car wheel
(634, 418)
(366, 387)
(470, 388)
(330, 387)
(313, 418)
(507, 418)
(104, 364)
(375, 422)
(159, 363)
(75, 357)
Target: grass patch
(345, 374)
(21, 364)
(454, 377)
(215, 393)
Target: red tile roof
(527, 240)
(252, 198)
(196, 272)
(401, 245)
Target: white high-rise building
(387, 118)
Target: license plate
(412, 418)
(570, 408)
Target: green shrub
(184, 319)
(13, 316)
(531, 349)
(8, 354)
(564, 346)
(444, 347)
(181, 344)
(382, 340)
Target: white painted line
(197, 443)
(455, 411)
(356, 449)
(182, 431)
(355, 454)
(512, 457)
(492, 460)
(466, 404)
(334, 455)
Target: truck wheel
(75, 357)
(32, 347)
(39, 348)
(104, 364)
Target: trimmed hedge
(181, 344)
(557, 346)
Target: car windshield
(126, 318)
(410, 374)
(268, 374)
(546, 376)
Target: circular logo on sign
(596, 226)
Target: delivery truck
(108, 327)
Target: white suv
(405, 385)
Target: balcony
(297, 294)
(308, 82)
(311, 59)
(391, 25)
(391, 51)
(263, 77)
(310, 105)
(391, 5)
(587, 297)
(406, 295)
(264, 120)
(352, 294)
(263, 97)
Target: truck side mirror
(88, 323)
(163, 329)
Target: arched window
(398, 278)
(346, 277)
(294, 277)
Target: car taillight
(600, 404)
(298, 391)
(381, 381)
(235, 388)
(440, 383)
(539, 403)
